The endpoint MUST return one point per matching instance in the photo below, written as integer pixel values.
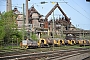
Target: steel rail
(46, 54)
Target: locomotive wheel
(42, 45)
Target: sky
(77, 10)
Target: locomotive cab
(32, 44)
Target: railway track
(51, 55)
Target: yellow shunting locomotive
(57, 42)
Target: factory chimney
(9, 6)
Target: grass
(9, 47)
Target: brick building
(37, 24)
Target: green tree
(2, 31)
(34, 37)
(8, 27)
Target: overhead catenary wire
(77, 11)
(14, 5)
(81, 8)
(37, 4)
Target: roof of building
(15, 10)
(57, 6)
(32, 10)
